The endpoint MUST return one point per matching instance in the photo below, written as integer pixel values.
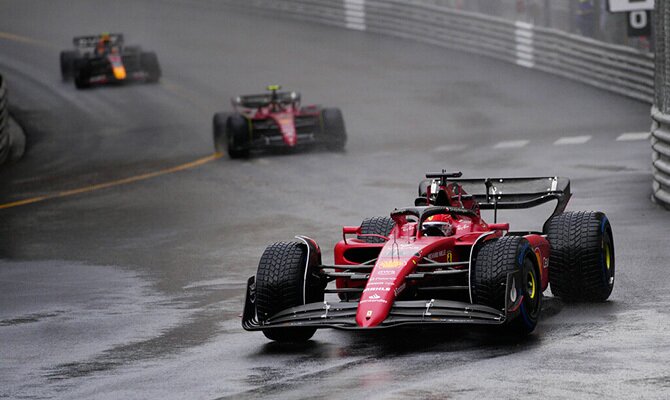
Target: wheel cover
(608, 255)
(531, 286)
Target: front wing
(342, 315)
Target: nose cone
(374, 306)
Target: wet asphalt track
(134, 291)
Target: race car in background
(101, 59)
(437, 262)
(276, 120)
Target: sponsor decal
(390, 264)
(380, 280)
(538, 256)
(385, 272)
(373, 301)
(375, 297)
(399, 289)
(442, 253)
(376, 289)
(369, 313)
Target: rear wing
(264, 100)
(83, 42)
(514, 193)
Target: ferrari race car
(104, 59)
(437, 262)
(276, 120)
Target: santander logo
(375, 296)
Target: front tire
(280, 284)
(335, 134)
(495, 260)
(82, 75)
(376, 226)
(67, 64)
(581, 265)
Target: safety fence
(616, 68)
(4, 122)
(660, 145)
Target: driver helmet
(104, 42)
(438, 225)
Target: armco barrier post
(660, 130)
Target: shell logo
(391, 263)
(538, 255)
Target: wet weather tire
(237, 136)
(495, 260)
(581, 265)
(280, 284)
(376, 226)
(335, 134)
(82, 75)
(67, 64)
(149, 63)
(219, 129)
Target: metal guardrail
(616, 68)
(660, 156)
(4, 122)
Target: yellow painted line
(23, 39)
(105, 185)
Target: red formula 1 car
(276, 120)
(438, 262)
(102, 59)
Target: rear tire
(581, 265)
(149, 63)
(219, 129)
(67, 64)
(335, 134)
(280, 284)
(495, 260)
(376, 226)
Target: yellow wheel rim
(531, 285)
(608, 256)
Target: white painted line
(525, 63)
(523, 25)
(449, 148)
(354, 14)
(573, 140)
(356, 26)
(630, 136)
(523, 37)
(511, 144)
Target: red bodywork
(288, 117)
(424, 269)
(398, 257)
